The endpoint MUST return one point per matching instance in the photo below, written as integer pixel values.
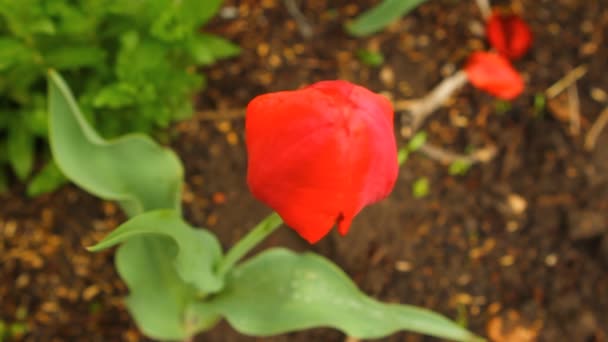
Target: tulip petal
(509, 35)
(318, 155)
(494, 74)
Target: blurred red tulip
(494, 74)
(509, 34)
(320, 154)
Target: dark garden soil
(517, 247)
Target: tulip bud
(318, 155)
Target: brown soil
(517, 247)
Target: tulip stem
(247, 243)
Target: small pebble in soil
(494, 308)
(517, 203)
(229, 12)
(275, 61)
(10, 227)
(90, 292)
(219, 198)
(387, 76)
(224, 126)
(599, 95)
(187, 195)
(22, 281)
(232, 138)
(507, 260)
(463, 299)
(403, 266)
(464, 279)
(512, 226)
(211, 220)
(551, 260)
(588, 49)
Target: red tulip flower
(509, 35)
(494, 74)
(320, 154)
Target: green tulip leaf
(195, 251)
(380, 16)
(158, 298)
(280, 291)
(132, 169)
(142, 177)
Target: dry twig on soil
(596, 129)
(303, 25)
(484, 8)
(574, 108)
(218, 115)
(561, 85)
(482, 155)
(419, 109)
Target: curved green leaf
(132, 169)
(279, 291)
(196, 12)
(158, 298)
(208, 48)
(20, 148)
(381, 16)
(142, 176)
(47, 180)
(195, 251)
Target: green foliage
(502, 106)
(196, 250)
(413, 145)
(158, 295)
(402, 155)
(168, 265)
(280, 291)
(540, 104)
(17, 329)
(179, 282)
(9, 332)
(417, 141)
(106, 168)
(421, 187)
(459, 167)
(133, 63)
(46, 180)
(381, 16)
(370, 58)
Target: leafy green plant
(371, 58)
(459, 168)
(413, 145)
(421, 187)
(540, 104)
(133, 63)
(180, 281)
(380, 16)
